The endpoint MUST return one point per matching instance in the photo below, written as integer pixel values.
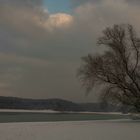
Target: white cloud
(24, 19)
(58, 21)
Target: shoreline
(53, 111)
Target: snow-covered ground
(53, 111)
(88, 130)
(31, 111)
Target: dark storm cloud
(80, 2)
(133, 1)
(22, 2)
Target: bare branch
(116, 68)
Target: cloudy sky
(42, 42)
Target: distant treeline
(57, 105)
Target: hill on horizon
(54, 104)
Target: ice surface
(88, 130)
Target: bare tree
(117, 69)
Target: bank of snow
(88, 130)
(54, 111)
(32, 111)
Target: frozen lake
(85, 130)
(30, 116)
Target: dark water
(52, 117)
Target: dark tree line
(117, 69)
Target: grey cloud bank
(40, 52)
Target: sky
(58, 6)
(42, 42)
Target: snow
(85, 130)
(53, 111)
(30, 111)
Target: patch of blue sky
(58, 6)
